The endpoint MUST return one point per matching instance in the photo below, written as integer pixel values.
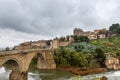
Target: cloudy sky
(25, 20)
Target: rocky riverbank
(78, 71)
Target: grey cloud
(10, 38)
(57, 17)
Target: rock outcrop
(112, 63)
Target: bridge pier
(39, 64)
(23, 58)
(16, 75)
(24, 75)
(46, 61)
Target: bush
(65, 56)
(81, 38)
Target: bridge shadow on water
(37, 64)
(13, 67)
(38, 70)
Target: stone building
(61, 43)
(101, 33)
(92, 36)
(80, 32)
(55, 44)
(33, 45)
(39, 44)
(101, 36)
(25, 45)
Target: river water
(41, 75)
(59, 75)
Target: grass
(112, 47)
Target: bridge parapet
(22, 51)
(24, 58)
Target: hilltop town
(82, 53)
(64, 41)
(88, 46)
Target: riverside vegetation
(87, 57)
(84, 54)
(90, 54)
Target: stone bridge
(23, 59)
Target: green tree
(81, 38)
(100, 56)
(115, 28)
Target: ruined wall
(56, 43)
(65, 43)
(32, 45)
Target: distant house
(87, 33)
(80, 32)
(92, 36)
(32, 45)
(39, 44)
(101, 33)
(96, 31)
(98, 34)
(102, 36)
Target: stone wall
(56, 43)
(32, 45)
(64, 43)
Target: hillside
(110, 46)
(88, 55)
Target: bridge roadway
(23, 59)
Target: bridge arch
(23, 59)
(13, 65)
(10, 59)
(39, 60)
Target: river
(59, 75)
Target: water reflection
(50, 75)
(54, 75)
(58, 75)
(39, 75)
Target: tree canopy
(115, 28)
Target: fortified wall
(41, 44)
(58, 43)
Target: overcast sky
(25, 20)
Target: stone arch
(40, 60)
(41, 64)
(15, 73)
(10, 59)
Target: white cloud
(10, 38)
(51, 18)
